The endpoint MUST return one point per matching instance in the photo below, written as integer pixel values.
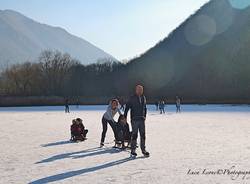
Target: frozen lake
(191, 147)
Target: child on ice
(123, 133)
(78, 131)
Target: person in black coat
(123, 132)
(138, 112)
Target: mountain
(207, 57)
(204, 60)
(23, 39)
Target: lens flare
(240, 4)
(158, 71)
(223, 19)
(201, 30)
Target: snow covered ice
(35, 147)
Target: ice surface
(34, 146)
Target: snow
(35, 148)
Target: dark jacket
(123, 133)
(138, 108)
(74, 129)
(123, 127)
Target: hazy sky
(123, 28)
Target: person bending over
(108, 118)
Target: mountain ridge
(32, 37)
(207, 51)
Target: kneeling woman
(108, 118)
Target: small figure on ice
(178, 104)
(162, 107)
(156, 105)
(138, 111)
(66, 106)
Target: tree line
(58, 74)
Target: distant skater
(162, 107)
(157, 105)
(138, 111)
(108, 118)
(66, 106)
(178, 104)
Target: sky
(124, 29)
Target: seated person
(78, 131)
(82, 128)
(123, 133)
(73, 130)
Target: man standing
(137, 105)
(66, 106)
(178, 104)
(162, 107)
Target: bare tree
(55, 67)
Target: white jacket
(110, 113)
